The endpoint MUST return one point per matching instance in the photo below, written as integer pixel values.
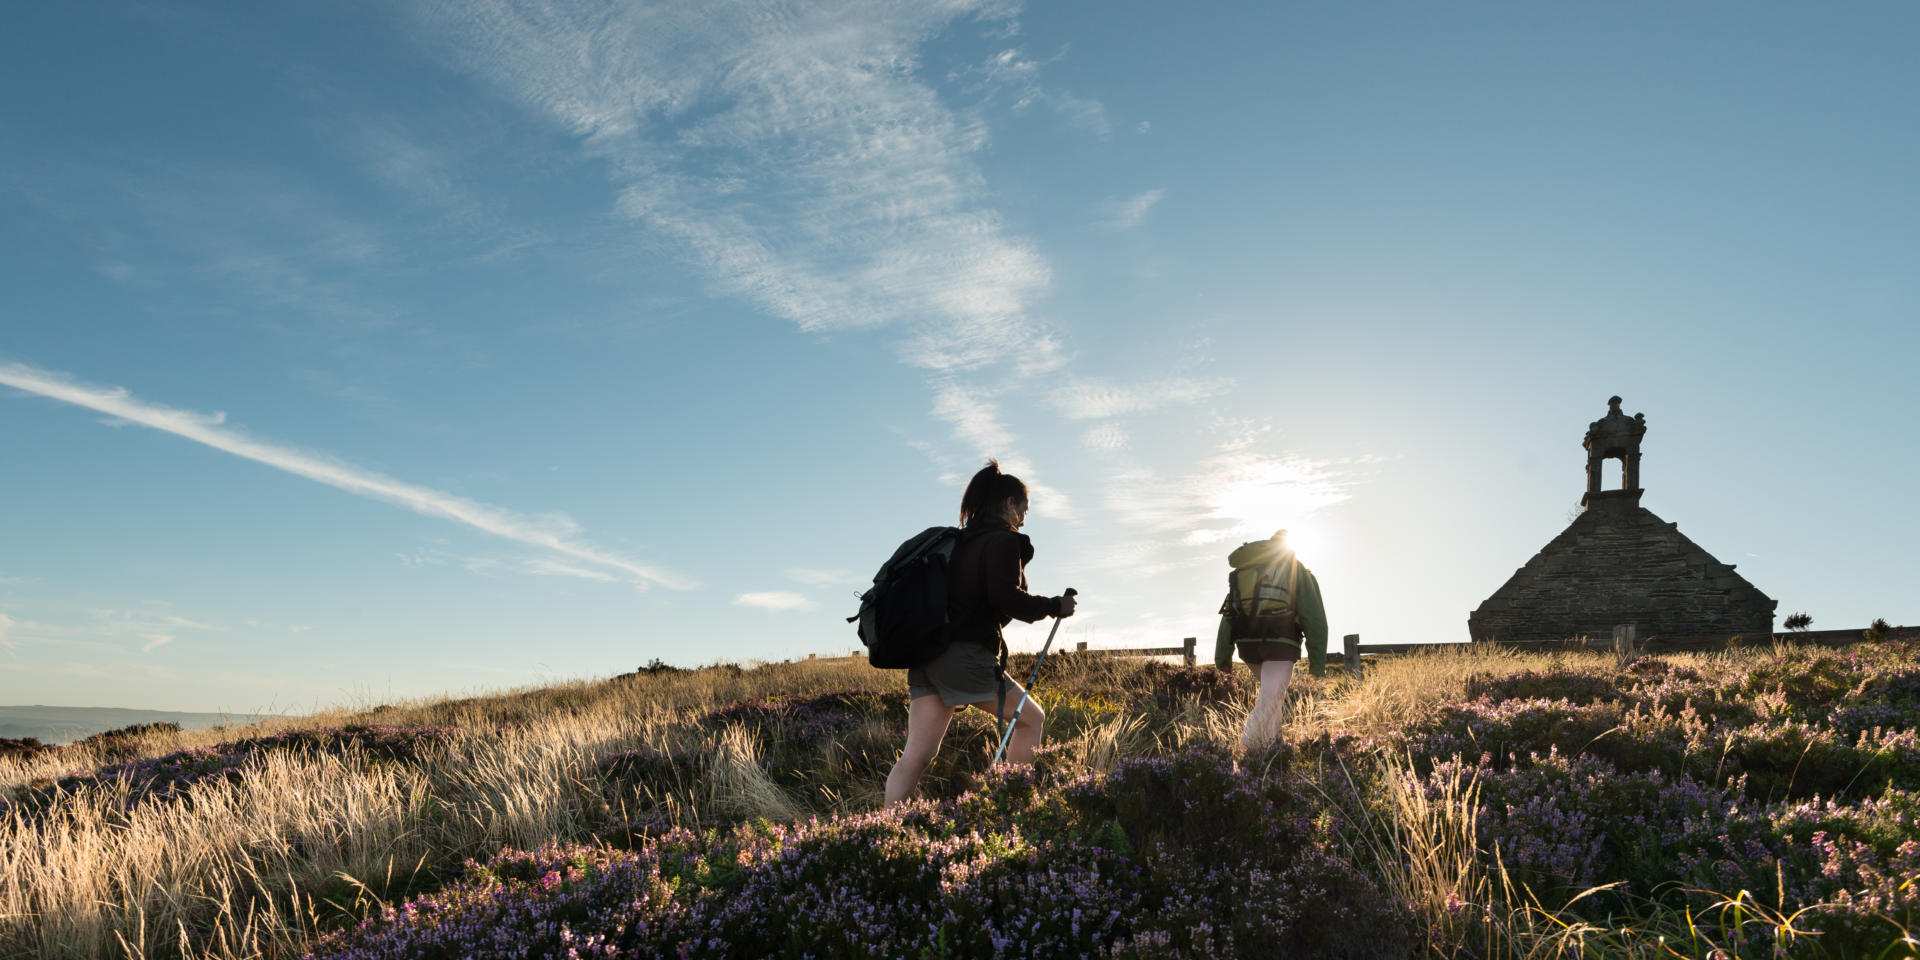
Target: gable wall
(1618, 563)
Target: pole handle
(1007, 737)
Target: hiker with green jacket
(1272, 610)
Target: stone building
(1618, 563)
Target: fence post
(1623, 640)
(1189, 643)
(1082, 645)
(1350, 646)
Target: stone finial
(1615, 435)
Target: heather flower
(1039, 863)
(1572, 686)
(1793, 781)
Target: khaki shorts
(966, 673)
(1257, 652)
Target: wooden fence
(1625, 642)
(1350, 652)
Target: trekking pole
(1024, 694)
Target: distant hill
(67, 724)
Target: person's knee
(919, 756)
(1032, 718)
(922, 753)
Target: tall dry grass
(256, 867)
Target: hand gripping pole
(1024, 694)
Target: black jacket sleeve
(1002, 559)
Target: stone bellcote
(1615, 435)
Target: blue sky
(359, 351)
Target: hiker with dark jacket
(987, 589)
(1273, 610)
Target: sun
(1310, 538)
(1252, 496)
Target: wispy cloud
(778, 600)
(549, 532)
(796, 158)
(102, 636)
(1080, 112)
(800, 159)
(1236, 493)
(824, 578)
(14, 581)
(1248, 494)
(505, 566)
(1106, 437)
(107, 632)
(864, 207)
(417, 156)
(1130, 212)
(975, 418)
(552, 568)
(278, 242)
(1013, 73)
(1096, 400)
(408, 167)
(154, 674)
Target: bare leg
(927, 720)
(1026, 730)
(1269, 709)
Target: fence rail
(1350, 652)
(1624, 642)
(1185, 650)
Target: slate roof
(1619, 563)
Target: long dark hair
(987, 490)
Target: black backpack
(903, 618)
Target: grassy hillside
(1459, 803)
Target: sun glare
(1308, 538)
(1257, 495)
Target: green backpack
(1261, 600)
